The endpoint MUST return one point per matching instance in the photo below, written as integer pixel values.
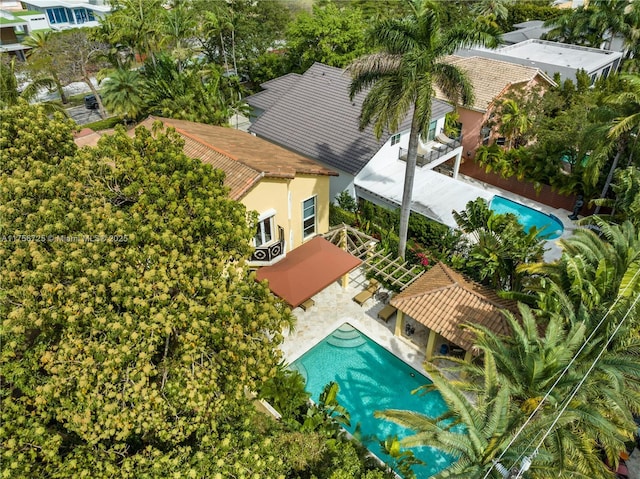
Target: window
(431, 134)
(605, 72)
(57, 15)
(81, 15)
(308, 217)
(395, 139)
(485, 134)
(264, 233)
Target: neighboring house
(554, 57)
(290, 193)
(491, 80)
(312, 115)
(64, 14)
(531, 30)
(15, 26)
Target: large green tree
(331, 35)
(400, 75)
(132, 328)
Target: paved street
(82, 116)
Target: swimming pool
(549, 226)
(372, 379)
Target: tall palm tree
(44, 59)
(400, 77)
(626, 204)
(618, 129)
(607, 18)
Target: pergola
(443, 300)
(307, 270)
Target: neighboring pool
(372, 379)
(549, 226)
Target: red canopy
(307, 270)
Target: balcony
(434, 151)
(270, 252)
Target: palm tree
(44, 59)
(10, 95)
(594, 269)
(497, 8)
(572, 27)
(123, 93)
(401, 75)
(531, 362)
(626, 204)
(619, 130)
(179, 25)
(607, 18)
(514, 121)
(476, 431)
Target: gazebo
(307, 270)
(442, 300)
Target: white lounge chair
(444, 139)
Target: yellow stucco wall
(274, 193)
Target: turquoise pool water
(549, 226)
(372, 379)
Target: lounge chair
(368, 293)
(444, 139)
(307, 304)
(386, 313)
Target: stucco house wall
(285, 197)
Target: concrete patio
(335, 306)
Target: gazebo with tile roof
(443, 300)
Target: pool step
(346, 336)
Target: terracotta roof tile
(269, 159)
(443, 300)
(491, 77)
(239, 178)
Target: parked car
(91, 102)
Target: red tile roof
(307, 270)
(443, 300)
(269, 159)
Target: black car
(91, 102)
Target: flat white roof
(68, 4)
(434, 195)
(560, 54)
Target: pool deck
(335, 306)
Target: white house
(64, 14)
(553, 57)
(312, 115)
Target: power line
(584, 378)
(566, 369)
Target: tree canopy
(132, 328)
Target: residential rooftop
(491, 77)
(313, 115)
(244, 158)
